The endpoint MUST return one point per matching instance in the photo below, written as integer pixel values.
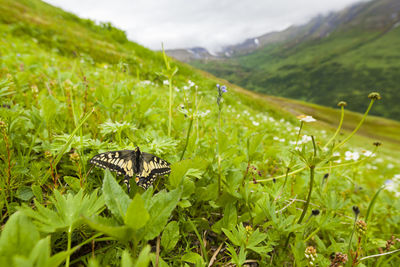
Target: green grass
(68, 96)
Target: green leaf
(255, 238)
(161, 262)
(126, 259)
(40, 254)
(231, 237)
(116, 199)
(372, 203)
(170, 236)
(67, 212)
(18, 237)
(73, 182)
(187, 167)
(93, 262)
(136, 215)
(178, 171)
(144, 257)
(253, 143)
(37, 192)
(122, 233)
(229, 220)
(192, 257)
(24, 193)
(160, 208)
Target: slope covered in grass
(70, 90)
(342, 55)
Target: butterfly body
(146, 167)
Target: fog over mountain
(205, 23)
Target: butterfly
(146, 167)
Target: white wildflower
(368, 153)
(166, 82)
(256, 123)
(306, 118)
(352, 155)
(305, 139)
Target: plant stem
(203, 248)
(187, 138)
(168, 66)
(352, 233)
(218, 152)
(338, 129)
(358, 126)
(290, 162)
(170, 107)
(69, 245)
(281, 176)
(312, 170)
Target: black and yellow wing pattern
(146, 167)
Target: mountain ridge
(340, 56)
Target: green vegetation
(249, 182)
(345, 65)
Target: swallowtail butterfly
(146, 167)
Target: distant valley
(340, 56)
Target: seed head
(47, 154)
(74, 157)
(3, 125)
(374, 96)
(361, 227)
(342, 104)
(339, 259)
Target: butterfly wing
(123, 162)
(150, 167)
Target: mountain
(340, 56)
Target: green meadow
(251, 181)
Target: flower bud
(338, 259)
(310, 253)
(356, 210)
(361, 227)
(374, 96)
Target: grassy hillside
(241, 188)
(350, 61)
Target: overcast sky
(206, 23)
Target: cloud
(208, 23)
